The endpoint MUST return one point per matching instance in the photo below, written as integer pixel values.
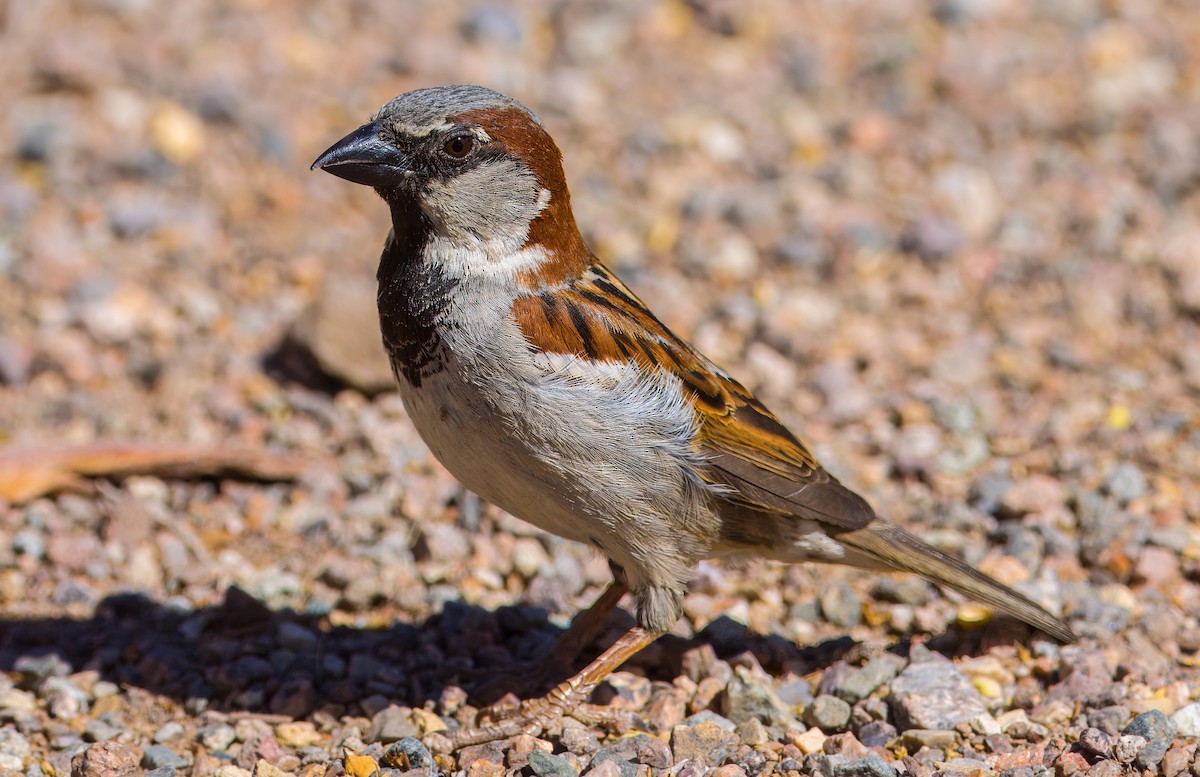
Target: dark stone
(546, 765)
(1158, 730)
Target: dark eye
(459, 146)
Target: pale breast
(599, 453)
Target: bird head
(478, 165)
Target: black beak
(362, 157)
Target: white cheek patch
(488, 208)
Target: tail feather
(897, 549)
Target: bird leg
(558, 662)
(535, 715)
(584, 628)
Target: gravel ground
(955, 245)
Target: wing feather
(751, 457)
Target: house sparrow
(548, 388)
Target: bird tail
(895, 548)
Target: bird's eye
(459, 146)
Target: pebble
(521, 747)
(751, 695)
(168, 731)
(1110, 719)
(410, 754)
(642, 749)
(932, 694)
(1095, 742)
(828, 713)
(1177, 758)
(331, 331)
(218, 736)
(841, 605)
(702, 741)
(43, 666)
(64, 699)
(105, 759)
(1187, 720)
(869, 766)
(156, 756)
(1128, 747)
(1158, 731)
(860, 683)
(267, 769)
(578, 739)
(392, 723)
(1105, 768)
(877, 733)
(608, 767)
(13, 743)
(298, 734)
(931, 738)
(1125, 482)
(810, 741)
(100, 730)
(361, 766)
(546, 765)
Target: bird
(548, 388)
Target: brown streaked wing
(749, 451)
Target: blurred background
(955, 245)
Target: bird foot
(532, 717)
(567, 699)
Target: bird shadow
(242, 656)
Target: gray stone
(100, 730)
(932, 694)
(604, 756)
(841, 605)
(65, 699)
(579, 740)
(751, 695)
(168, 731)
(156, 756)
(1158, 730)
(937, 739)
(217, 737)
(871, 766)
(546, 765)
(859, 683)
(1125, 482)
(877, 733)
(828, 713)
(13, 742)
(40, 667)
(391, 724)
(643, 749)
